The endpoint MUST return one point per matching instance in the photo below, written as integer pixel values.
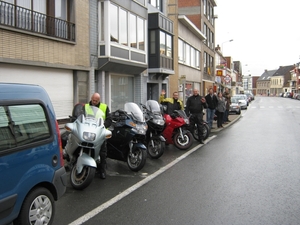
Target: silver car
(242, 99)
(235, 106)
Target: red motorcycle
(176, 130)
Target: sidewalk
(232, 117)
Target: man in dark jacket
(194, 107)
(212, 102)
(95, 101)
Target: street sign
(227, 79)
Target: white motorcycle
(86, 136)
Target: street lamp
(226, 42)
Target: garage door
(58, 83)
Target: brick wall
(189, 3)
(18, 47)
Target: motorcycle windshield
(133, 109)
(153, 106)
(93, 112)
(181, 113)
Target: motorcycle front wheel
(156, 149)
(206, 131)
(80, 181)
(185, 142)
(137, 159)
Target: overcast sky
(265, 33)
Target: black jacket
(212, 102)
(194, 105)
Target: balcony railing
(28, 20)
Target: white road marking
(131, 189)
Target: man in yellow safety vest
(95, 101)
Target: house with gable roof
(263, 82)
(280, 81)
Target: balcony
(24, 19)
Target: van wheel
(38, 208)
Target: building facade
(280, 81)
(201, 14)
(47, 43)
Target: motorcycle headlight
(140, 128)
(159, 121)
(88, 136)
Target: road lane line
(131, 189)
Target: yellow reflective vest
(102, 107)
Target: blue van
(32, 172)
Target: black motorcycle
(155, 141)
(128, 134)
(205, 131)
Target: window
(181, 51)
(128, 32)
(121, 91)
(133, 37)
(156, 3)
(141, 33)
(114, 29)
(22, 125)
(162, 43)
(48, 17)
(166, 44)
(204, 7)
(188, 55)
(123, 27)
(152, 42)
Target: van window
(22, 124)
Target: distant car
(252, 96)
(243, 96)
(235, 106)
(249, 97)
(242, 99)
(31, 160)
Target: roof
(283, 70)
(266, 75)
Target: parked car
(287, 95)
(249, 97)
(31, 160)
(235, 106)
(252, 96)
(242, 99)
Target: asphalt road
(247, 173)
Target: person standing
(220, 109)
(211, 100)
(171, 103)
(95, 101)
(194, 108)
(227, 97)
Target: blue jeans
(210, 116)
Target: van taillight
(59, 144)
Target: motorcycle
(128, 134)
(177, 130)
(206, 130)
(155, 142)
(81, 152)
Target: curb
(233, 118)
